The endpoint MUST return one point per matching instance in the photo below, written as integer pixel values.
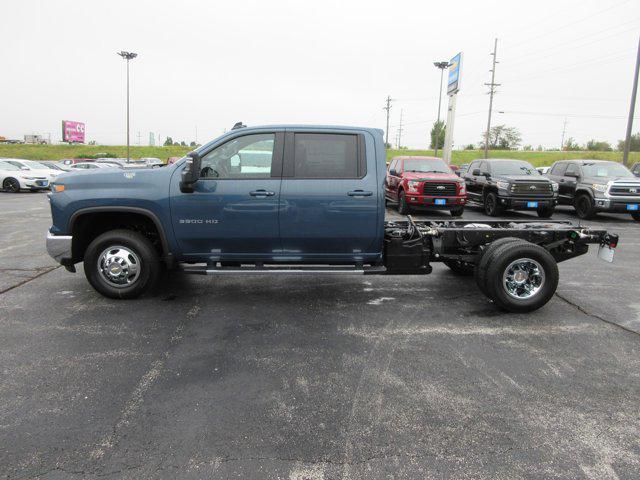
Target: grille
(440, 189)
(625, 190)
(531, 188)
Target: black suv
(593, 186)
(503, 184)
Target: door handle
(262, 193)
(562, 180)
(359, 193)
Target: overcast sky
(209, 64)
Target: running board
(284, 270)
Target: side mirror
(476, 172)
(191, 172)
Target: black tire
(491, 206)
(403, 208)
(585, 207)
(459, 267)
(528, 254)
(546, 212)
(145, 256)
(11, 185)
(636, 216)
(457, 211)
(486, 257)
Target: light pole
(128, 56)
(441, 66)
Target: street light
(441, 66)
(127, 56)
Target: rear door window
(572, 168)
(558, 169)
(321, 155)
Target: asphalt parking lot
(317, 378)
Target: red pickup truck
(424, 183)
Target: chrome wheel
(119, 266)
(523, 278)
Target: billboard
(453, 82)
(72, 132)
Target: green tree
(502, 137)
(634, 143)
(437, 131)
(183, 144)
(193, 144)
(598, 146)
(571, 144)
(168, 142)
(471, 146)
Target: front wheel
(522, 278)
(11, 185)
(403, 208)
(457, 211)
(121, 264)
(585, 207)
(491, 205)
(545, 212)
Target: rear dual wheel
(517, 275)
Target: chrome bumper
(59, 247)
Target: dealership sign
(453, 82)
(72, 132)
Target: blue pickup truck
(289, 200)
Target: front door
(233, 212)
(329, 197)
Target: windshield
(605, 169)
(515, 167)
(34, 165)
(426, 165)
(8, 166)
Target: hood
(625, 179)
(113, 177)
(430, 176)
(523, 178)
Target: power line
(492, 89)
(570, 115)
(388, 109)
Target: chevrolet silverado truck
(290, 200)
(593, 186)
(504, 184)
(424, 183)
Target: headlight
(555, 186)
(413, 186)
(599, 187)
(502, 184)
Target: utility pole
(634, 91)
(128, 56)
(564, 130)
(441, 66)
(388, 109)
(400, 131)
(492, 91)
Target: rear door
(471, 180)
(568, 183)
(556, 174)
(233, 212)
(393, 180)
(329, 196)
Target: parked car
(424, 183)
(505, 184)
(92, 166)
(635, 169)
(317, 207)
(593, 186)
(13, 179)
(36, 169)
(542, 170)
(152, 162)
(462, 169)
(65, 163)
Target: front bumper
(428, 201)
(59, 248)
(519, 203)
(616, 204)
